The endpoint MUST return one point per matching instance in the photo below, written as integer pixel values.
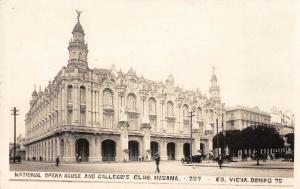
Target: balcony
(108, 108)
(132, 110)
(82, 106)
(208, 132)
(73, 128)
(170, 117)
(152, 115)
(70, 106)
(186, 120)
(200, 122)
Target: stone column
(179, 117)
(209, 143)
(63, 104)
(122, 153)
(162, 115)
(76, 104)
(95, 149)
(50, 149)
(178, 150)
(196, 144)
(146, 142)
(88, 106)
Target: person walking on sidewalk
(157, 160)
(57, 161)
(220, 161)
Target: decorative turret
(78, 49)
(170, 79)
(34, 96)
(214, 89)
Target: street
(276, 168)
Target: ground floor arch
(108, 150)
(133, 148)
(202, 148)
(186, 150)
(82, 149)
(171, 151)
(154, 148)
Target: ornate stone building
(109, 115)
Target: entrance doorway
(186, 150)
(133, 150)
(202, 148)
(171, 151)
(108, 150)
(154, 148)
(82, 149)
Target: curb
(251, 167)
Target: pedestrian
(220, 161)
(57, 161)
(157, 160)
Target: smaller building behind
(240, 117)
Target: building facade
(108, 115)
(283, 121)
(240, 117)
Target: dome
(78, 28)
(214, 78)
(34, 93)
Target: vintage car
(195, 159)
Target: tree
(261, 137)
(220, 143)
(290, 140)
(233, 139)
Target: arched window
(69, 93)
(185, 110)
(131, 101)
(152, 105)
(108, 97)
(82, 94)
(170, 109)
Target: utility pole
(191, 142)
(224, 134)
(217, 137)
(14, 113)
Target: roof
(254, 110)
(214, 78)
(78, 28)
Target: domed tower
(78, 49)
(34, 96)
(214, 89)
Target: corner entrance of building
(171, 151)
(154, 148)
(133, 150)
(108, 150)
(186, 149)
(82, 149)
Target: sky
(252, 45)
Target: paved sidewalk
(269, 164)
